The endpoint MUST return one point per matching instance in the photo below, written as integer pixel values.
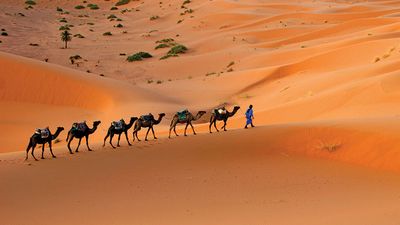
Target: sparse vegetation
(63, 20)
(108, 33)
(30, 2)
(79, 36)
(114, 8)
(159, 81)
(59, 9)
(163, 45)
(93, 6)
(149, 81)
(90, 23)
(65, 27)
(166, 40)
(79, 7)
(4, 33)
(112, 16)
(168, 55)
(66, 37)
(178, 49)
(122, 2)
(230, 64)
(179, 21)
(32, 44)
(139, 56)
(154, 17)
(119, 25)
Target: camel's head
(60, 128)
(201, 113)
(161, 114)
(236, 107)
(96, 123)
(133, 119)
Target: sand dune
(322, 75)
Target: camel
(146, 121)
(216, 115)
(37, 138)
(186, 118)
(80, 130)
(123, 129)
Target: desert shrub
(178, 49)
(119, 25)
(59, 9)
(114, 8)
(112, 16)
(166, 40)
(159, 81)
(150, 81)
(30, 2)
(119, 19)
(108, 33)
(179, 21)
(90, 23)
(186, 2)
(79, 7)
(230, 64)
(122, 2)
(32, 44)
(163, 45)
(63, 20)
(65, 27)
(4, 33)
(93, 6)
(138, 56)
(79, 36)
(154, 17)
(168, 55)
(75, 57)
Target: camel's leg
(175, 131)
(43, 150)
(69, 145)
(87, 143)
(119, 138)
(215, 125)
(51, 150)
(194, 132)
(170, 129)
(79, 144)
(69, 132)
(111, 137)
(127, 139)
(33, 149)
(224, 125)
(211, 122)
(28, 148)
(187, 124)
(147, 133)
(152, 130)
(136, 134)
(105, 138)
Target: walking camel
(119, 127)
(80, 130)
(184, 117)
(221, 114)
(42, 136)
(146, 121)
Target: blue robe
(249, 116)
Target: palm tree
(65, 37)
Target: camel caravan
(82, 130)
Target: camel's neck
(55, 135)
(198, 115)
(129, 125)
(91, 131)
(230, 114)
(158, 120)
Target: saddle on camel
(182, 115)
(118, 125)
(44, 132)
(80, 126)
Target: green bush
(63, 20)
(112, 16)
(168, 55)
(30, 2)
(119, 25)
(93, 6)
(79, 36)
(122, 2)
(79, 7)
(179, 49)
(163, 45)
(108, 33)
(138, 56)
(166, 40)
(65, 27)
